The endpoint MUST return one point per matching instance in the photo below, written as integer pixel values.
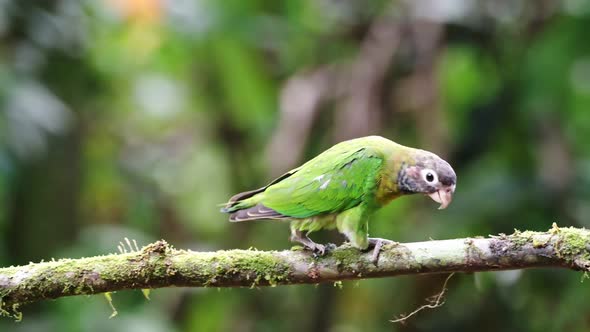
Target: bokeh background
(137, 118)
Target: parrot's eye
(429, 176)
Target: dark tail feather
(256, 212)
(231, 205)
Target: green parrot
(343, 186)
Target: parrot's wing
(332, 182)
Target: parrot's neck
(386, 192)
(388, 188)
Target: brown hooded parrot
(343, 186)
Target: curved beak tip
(442, 196)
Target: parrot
(343, 186)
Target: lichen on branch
(160, 265)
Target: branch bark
(159, 265)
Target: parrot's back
(340, 178)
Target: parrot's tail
(255, 212)
(241, 201)
(245, 206)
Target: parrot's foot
(377, 243)
(319, 249)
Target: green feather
(333, 182)
(339, 188)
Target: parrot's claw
(374, 240)
(318, 249)
(322, 249)
(377, 243)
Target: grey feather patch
(255, 213)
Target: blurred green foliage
(137, 118)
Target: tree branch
(159, 265)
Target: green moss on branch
(159, 265)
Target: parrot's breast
(313, 224)
(385, 195)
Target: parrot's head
(430, 175)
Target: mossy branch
(159, 265)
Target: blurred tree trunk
(43, 216)
(44, 209)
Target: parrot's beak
(444, 196)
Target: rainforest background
(137, 118)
